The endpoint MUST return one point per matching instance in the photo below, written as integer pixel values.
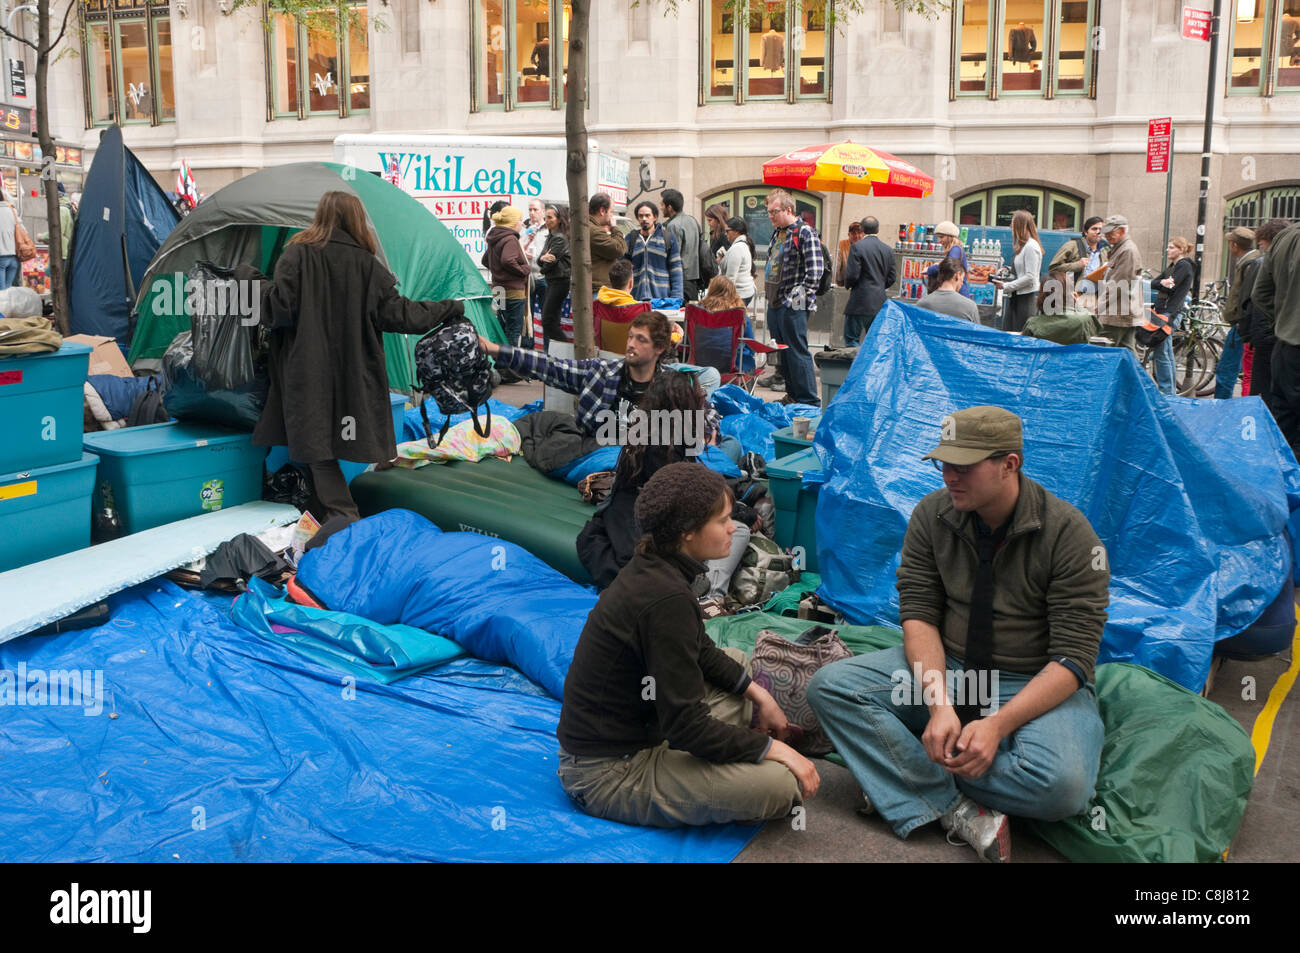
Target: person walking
(1256, 326)
(738, 260)
(1277, 295)
(555, 266)
(868, 272)
(331, 301)
(1119, 293)
(1023, 289)
(508, 265)
(1172, 287)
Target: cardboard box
(105, 356)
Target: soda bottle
(964, 231)
(902, 236)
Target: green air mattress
(508, 500)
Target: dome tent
(250, 220)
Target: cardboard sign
(105, 358)
(1196, 23)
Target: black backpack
(453, 369)
(148, 407)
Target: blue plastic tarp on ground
(752, 421)
(228, 747)
(413, 423)
(1190, 498)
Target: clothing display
(1023, 43)
(772, 51)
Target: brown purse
(785, 668)
(24, 247)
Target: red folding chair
(610, 324)
(716, 339)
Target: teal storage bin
(41, 399)
(796, 507)
(279, 456)
(45, 512)
(832, 373)
(168, 472)
(786, 443)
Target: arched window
(1051, 208)
(1253, 209)
(747, 202)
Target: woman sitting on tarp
(330, 304)
(608, 541)
(656, 724)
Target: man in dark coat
(870, 270)
(328, 401)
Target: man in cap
(1119, 293)
(1243, 256)
(987, 708)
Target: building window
(752, 206)
(1064, 212)
(319, 65)
(127, 62)
(781, 51)
(1253, 209)
(1023, 48)
(520, 53)
(1265, 47)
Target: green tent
(249, 221)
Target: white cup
(799, 427)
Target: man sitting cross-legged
(1002, 594)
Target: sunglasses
(961, 469)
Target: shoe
(770, 380)
(866, 808)
(788, 399)
(988, 831)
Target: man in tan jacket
(1119, 293)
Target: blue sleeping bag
(497, 601)
(118, 393)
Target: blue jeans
(1229, 366)
(790, 327)
(1163, 360)
(8, 270)
(512, 319)
(856, 327)
(1046, 770)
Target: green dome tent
(250, 220)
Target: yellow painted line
(1263, 729)
(15, 490)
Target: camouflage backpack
(453, 369)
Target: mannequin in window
(771, 55)
(1289, 39)
(540, 58)
(1023, 43)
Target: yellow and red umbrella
(848, 167)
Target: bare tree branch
(64, 28)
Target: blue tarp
(227, 747)
(124, 218)
(752, 421)
(1190, 498)
(413, 423)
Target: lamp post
(1212, 84)
(4, 46)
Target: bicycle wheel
(1213, 349)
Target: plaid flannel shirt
(801, 269)
(595, 381)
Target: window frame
(1270, 60)
(343, 82)
(111, 18)
(995, 50)
(987, 196)
(1089, 89)
(510, 75)
(795, 11)
(1046, 54)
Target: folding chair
(612, 322)
(716, 339)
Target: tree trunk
(575, 132)
(58, 285)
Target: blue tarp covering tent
(1190, 498)
(123, 219)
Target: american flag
(185, 186)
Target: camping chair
(612, 322)
(716, 339)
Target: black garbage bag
(218, 371)
(238, 560)
(290, 484)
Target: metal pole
(1169, 190)
(4, 52)
(1211, 86)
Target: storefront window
(812, 50)
(127, 56)
(997, 206)
(970, 211)
(1265, 47)
(491, 70)
(520, 54)
(1287, 61)
(1249, 48)
(766, 41)
(532, 54)
(781, 50)
(1036, 48)
(319, 67)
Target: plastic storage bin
(832, 373)
(786, 443)
(167, 472)
(41, 398)
(279, 456)
(45, 512)
(796, 507)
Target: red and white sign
(1159, 136)
(1196, 23)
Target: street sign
(1196, 23)
(1159, 132)
(18, 77)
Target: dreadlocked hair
(679, 499)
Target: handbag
(1155, 330)
(24, 248)
(785, 668)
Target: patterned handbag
(785, 668)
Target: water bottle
(997, 248)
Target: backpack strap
(428, 430)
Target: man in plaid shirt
(605, 385)
(794, 270)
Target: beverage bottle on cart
(902, 236)
(929, 237)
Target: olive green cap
(976, 433)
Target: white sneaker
(987, 830)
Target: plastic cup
(799, 427)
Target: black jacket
(1169, 301)
(869, 271)
(642, 667)
(562, 267)
(328, 310)
(1256, 326)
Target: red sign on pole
(1158, 138)
(1196, 23)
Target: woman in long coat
(331, 302)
